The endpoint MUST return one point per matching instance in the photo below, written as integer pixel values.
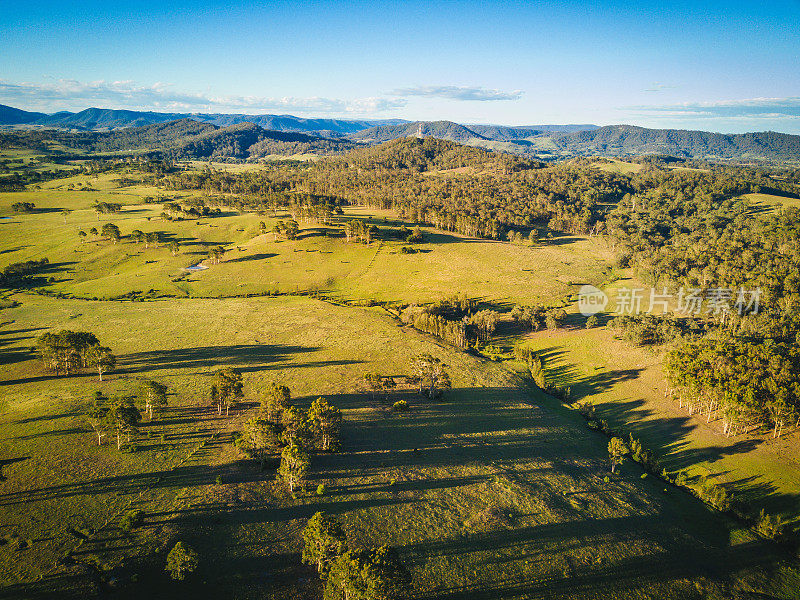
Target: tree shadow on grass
(246, 356)
(251, 257)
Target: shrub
(131, 520)
(400, 406)
(591, 321)
(769, 526)
(321, 489)
(181, 561)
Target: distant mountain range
(180, 139)
(336, 135)
(93, 119)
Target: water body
(197, 267)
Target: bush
(769, 526)
(321, 489)
(131, 520)
(415, 237)
(591, 321)
(181, 561)
(400, 406)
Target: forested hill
(182, 139)
(444, 130)
(432, 154)
(15, 116)
(464, 134)
(620, 140)
(93, 119)
(615, 140)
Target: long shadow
(251, 257)
(245, 355)
(493, 427)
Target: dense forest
(184, 139)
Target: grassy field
(258, 264)
(771, 202)
(494, 493)
(626, 385)
(618, 166)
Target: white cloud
(451, 92)
(69, 94)
(751, 108)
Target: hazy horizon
(725, 67)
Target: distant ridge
(612, 140)
(15, 116)
(547, 142)
(94, 119)
(184, 139)
(629, 140)
(443, 130)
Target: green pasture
(494, 492)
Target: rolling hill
(105, 118)
(182, 139)
(622, 140)
(535, 141)
(613, 140)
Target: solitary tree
(152, 237)
(616, 450)
(174, 247)
(65, 213)
(181, 561)
(111, 231)
(431, 374)
(82, 235)
(217, 252)
(323, 541)
(294, 466)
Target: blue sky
(728, 67)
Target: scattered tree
(376, 574)
(152, 394)
(258, 438)
(228, 386)
(101, 358)
(294, 466)
(616, 451)
(323, 541)
(326, 421)
(276, 399)
(181, 561)
(431, 375)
